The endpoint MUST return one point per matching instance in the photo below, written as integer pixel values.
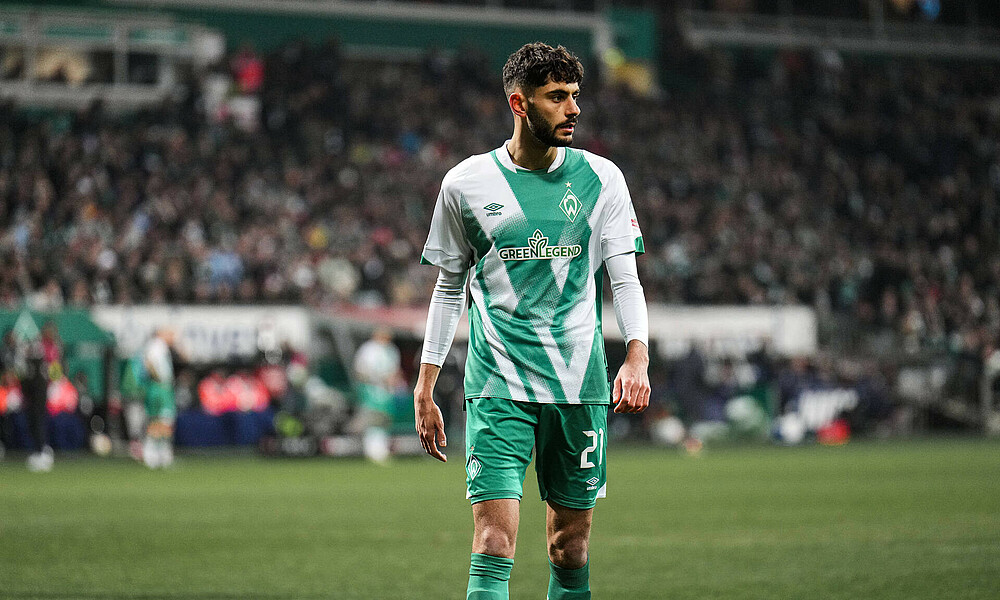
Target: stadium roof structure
(704, 28)
(27, 33)
(176, 32)
(393, 30)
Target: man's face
(552, 112)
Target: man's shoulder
(468, 170)
(604, 167)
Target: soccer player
(377, 369)
(161, 408)
(531, 227)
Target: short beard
(539, 127)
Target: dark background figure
(34, 386)
(689, 385)
(8, 379)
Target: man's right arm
(429, 421)
(446, 306)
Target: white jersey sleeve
(158, 360)
(447, 245)
(629, 301)
(446, 307)
(621, 232)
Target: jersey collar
(503, 157)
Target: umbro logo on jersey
(570, 205)
(493, 209)
(538, 249)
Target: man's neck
(527, 152)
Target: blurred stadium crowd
(866, 189)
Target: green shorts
(160, 404)
(375, 398)
(570, 441)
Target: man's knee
(495, 541)
(568, 548)
(496, 527)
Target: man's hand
(631, 389)
(429, 421)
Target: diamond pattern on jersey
(549, 333)
(535, 321)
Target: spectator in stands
(248, 70)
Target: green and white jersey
(534, 243)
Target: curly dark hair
(532, 66)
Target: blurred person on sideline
(378, 374)
(34, 377)
(10, 389)
(161, 408)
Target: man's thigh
(571, 446)
(499, 436)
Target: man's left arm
(630, 392)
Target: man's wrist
(423, 391)
(637, 350)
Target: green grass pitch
(872, 521)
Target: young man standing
(532, 226)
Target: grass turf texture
(901, 521)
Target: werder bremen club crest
(570, 204)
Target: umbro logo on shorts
(592, 483)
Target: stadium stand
(798, 179)
(865, 188)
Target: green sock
(569, 584)
(488, 577)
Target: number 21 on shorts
(596, 444)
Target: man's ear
(518, 103)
